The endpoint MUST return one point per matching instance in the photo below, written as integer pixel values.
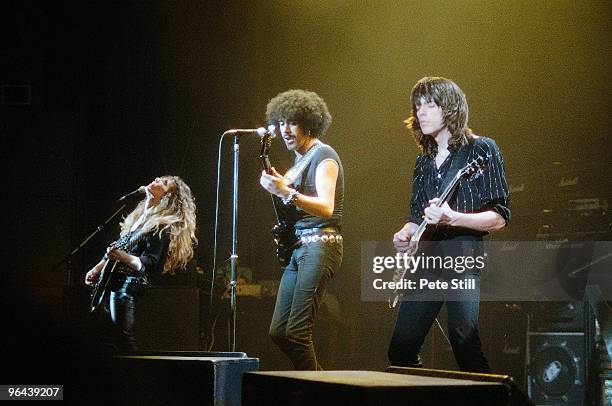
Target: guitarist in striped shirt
(439, 123)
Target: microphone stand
(68, 258)
(234, 255)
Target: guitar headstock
(266, 140)
(476, 165)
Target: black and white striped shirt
(488, 191)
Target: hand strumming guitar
(401, 239)
(274, 183)
(94, 273)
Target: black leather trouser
(122, 306)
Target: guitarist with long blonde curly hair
(157, 237)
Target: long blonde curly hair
(175, 212)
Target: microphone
(132, 194)
(246, 131)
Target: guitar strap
(296, 170)
(128, 241)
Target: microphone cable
(212, 321)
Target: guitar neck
(277, 203)
(448, 191)
(444, 198)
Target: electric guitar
(283, 231)
(101, 287)
(477, 165)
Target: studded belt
(326, 238)
(323, 234)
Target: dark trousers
(122, 308)
(298, 300)
(414, 320)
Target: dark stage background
(122, 92)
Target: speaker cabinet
(557, 316)
(503, 331)
(556, 367)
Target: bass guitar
(283, 231)
(477, 165)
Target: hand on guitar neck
(435, 214)
(112, 254)
(131, 261)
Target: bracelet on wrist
(291, 197)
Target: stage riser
(165, 380)
(274, 388)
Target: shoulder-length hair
(451, 99)
(306, 108)
(176, 212)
